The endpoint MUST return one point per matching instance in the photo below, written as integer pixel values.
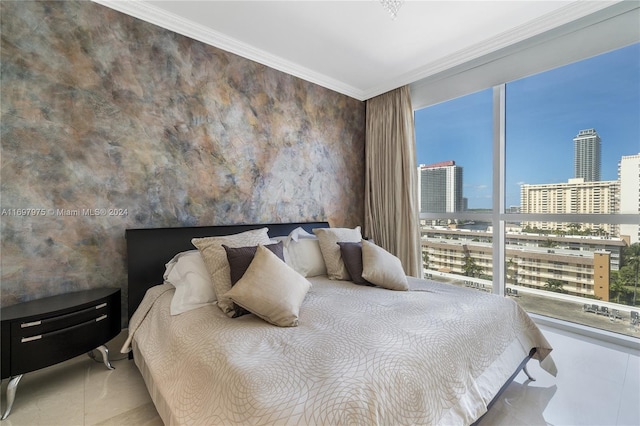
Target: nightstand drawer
(58, 322)
(36, 351)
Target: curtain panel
(391, 188)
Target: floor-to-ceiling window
(531, 189)
(455, 169)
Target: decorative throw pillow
(352, 258)
(215, 258)
(381, 268)
(271, 289)
(328, 238)
(239, 260)
(188, 274)
(305, 257)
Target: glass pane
(588, 280)
(568, 131)
(454, 153)
(572, 147)
(458, 255)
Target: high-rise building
(586, 148)
(629, 177)
(440, 187)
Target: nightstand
(43, 332)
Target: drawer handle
(30, 339)
(102, 305)
(30, 324)
(100, 318)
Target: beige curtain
(391, 188)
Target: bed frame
(148, 250)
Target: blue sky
(544, 113)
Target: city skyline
(545, 111)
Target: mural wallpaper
(109, 123)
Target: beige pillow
(271, 289)
(329, 238)
(215, 259)
(381, 268)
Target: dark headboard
(148, 250)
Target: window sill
(586, 331)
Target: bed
(435, 354)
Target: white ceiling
(355, 47)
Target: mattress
(436, 354)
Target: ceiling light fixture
(392, 6)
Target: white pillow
(302, 253)
(271, 289)
(329, 238)
(188, 274)
(306, 257)
(215, 259)
(170, 264)
(381, 268)
(299, 233)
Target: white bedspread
(361, 355)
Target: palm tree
(617, 286)
(555, 286)
(425, 258)
(512, 270)
(548, 243)
(574, 228)
(470, 267)
(631, 259)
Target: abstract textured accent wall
(109, 123)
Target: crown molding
(154, 15)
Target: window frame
(608, 29)
(499, 218)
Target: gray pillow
(352, 258)
(239, 260)
(328, 237)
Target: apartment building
(577, 196)
(526, 241)
(581, 273)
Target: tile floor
(597, 384)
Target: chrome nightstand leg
(527, 373)
(11, 394)
(105, 356)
